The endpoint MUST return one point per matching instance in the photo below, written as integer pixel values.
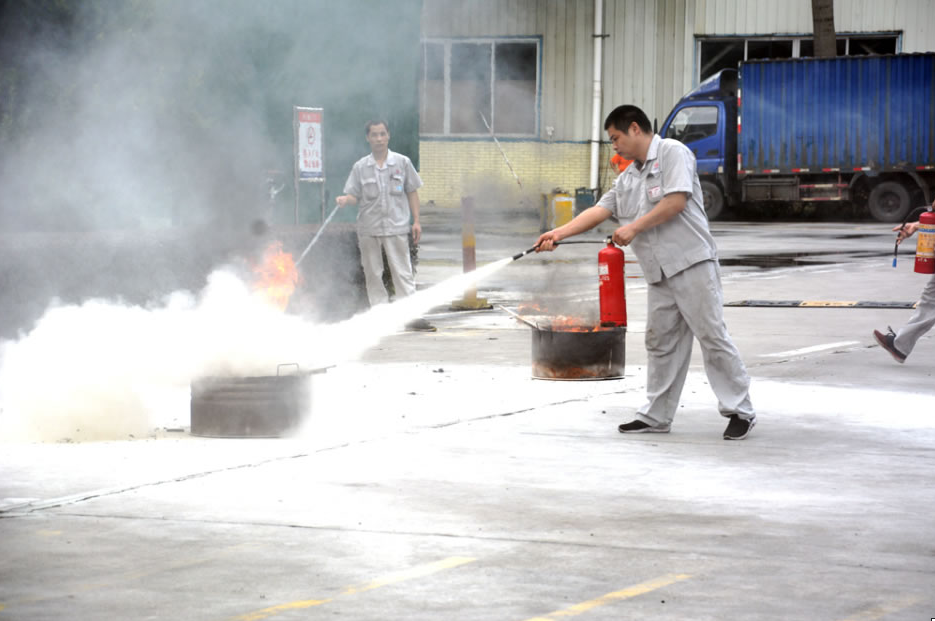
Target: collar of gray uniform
(390, 159)
(653, 148)
(650, 155)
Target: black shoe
(638, 426)
(738, 428)
(420, 325)
(886, 342)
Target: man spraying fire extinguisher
(900, 344)
(658, 201)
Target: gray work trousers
(921, 321)
(681, 308)
(397, 256)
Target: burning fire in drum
(566, 349)
(268, 406)
(567, 352)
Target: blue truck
(859, 129)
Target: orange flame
(555, 323)
(565, 323)
(276, 276)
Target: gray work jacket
(669, 248)
(382, 201)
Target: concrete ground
(435, 479)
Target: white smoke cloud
(102, 370)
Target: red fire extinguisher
(925, 246)
(613, 297)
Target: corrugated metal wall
(647, 60)
(649, 55)
(746, 17)
(915, 18)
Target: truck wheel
(713, 199)
(889, 202)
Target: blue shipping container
(848, 113)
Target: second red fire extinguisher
(925, 246)
(613, 298)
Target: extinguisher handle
(902, 226)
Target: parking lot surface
(436, 479)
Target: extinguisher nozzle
(894, 261)
(524, 253)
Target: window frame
(795, 39)
(447, 42)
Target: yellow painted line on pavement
(400, 576)
(632, 591)
(409, 574)
(878, 612)
(828, 303)
(274, 610)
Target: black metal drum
(578, 352)
(251, 407)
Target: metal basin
(578, 352)
(269, 406)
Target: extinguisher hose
(562, 243)
(584, 241)
(919, 210)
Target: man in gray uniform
(658, 202)
(900, 344)
(385, 186)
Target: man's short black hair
(376, 122)
(622, 117)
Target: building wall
(473, 168)
(455, 168)
(914, 18)
(660, 36)
(648, 60)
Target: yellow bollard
(470, 301)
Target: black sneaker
(638, 426)
(738, 428)
(886, 342)
(420, 325)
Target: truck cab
(705, 120)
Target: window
(716, 53)
(467, 84)
(470, 88)
(432, 88)
(757, 50)
(855, 46)
(693, 123)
